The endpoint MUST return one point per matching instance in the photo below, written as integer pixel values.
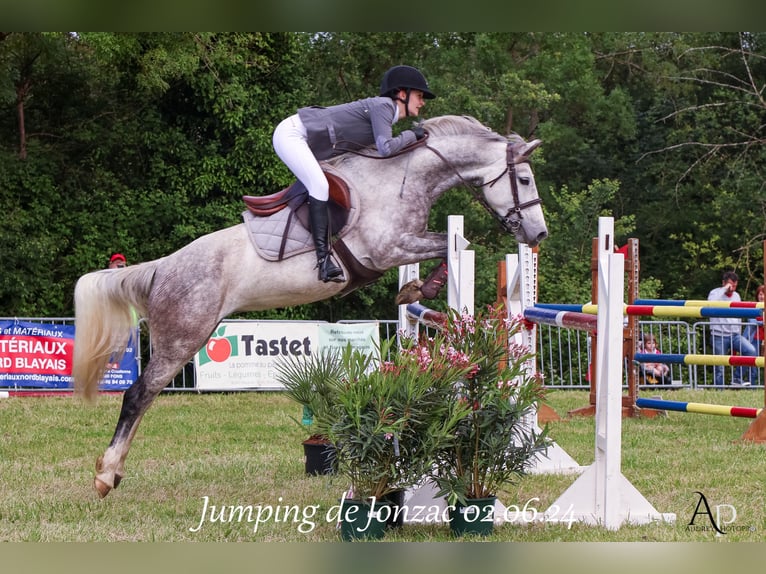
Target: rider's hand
(419, 132)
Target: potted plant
(389, 419)
(494, 443)
(312, 382)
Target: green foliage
(564, 268)
(138, 143)
(493, 444)
(313, 382)
(142, 142)
(389, 419)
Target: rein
(506, 221)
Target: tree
(141, 142)
(150, 139)
(703, 154)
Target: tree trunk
(22, 130)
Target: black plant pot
(319, 457)
(396, 500)
(475, 518)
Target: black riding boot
(319, 216)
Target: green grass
(244, 449)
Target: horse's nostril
(537, 240)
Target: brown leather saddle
(295, 197)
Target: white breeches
(291, 144)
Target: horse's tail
(107, 304)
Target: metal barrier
(563, 354)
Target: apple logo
(218, 348)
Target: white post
(611, 286)
(407, 325)
(602, 495)
(521, 293)
(460, 296)
(460, 268)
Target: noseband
(508, 222)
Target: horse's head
(510, 195)
(514, 199)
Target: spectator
(754, 328)
(754, 331)
(117, 261)
(725, 332)
(654, 373)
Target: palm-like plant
(313, 383)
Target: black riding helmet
(404, 78)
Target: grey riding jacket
(355, 125)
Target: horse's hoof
(409, 293)
(101, 487)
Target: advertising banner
(39, 355)
(243, 355)
(36, 354)
(120, 375)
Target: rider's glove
(419, 132)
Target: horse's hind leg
(182, 315)
(135, 402)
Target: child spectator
(654, 373)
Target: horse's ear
(522, 151)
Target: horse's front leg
(414, 248)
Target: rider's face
(416, 101)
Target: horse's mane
(449, 125)
(460, 125)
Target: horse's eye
(524, 180)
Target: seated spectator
(654, 373)
(754, 328)
(753, 332)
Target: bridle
(507, 221)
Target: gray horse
(183, 296)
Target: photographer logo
(717, 518)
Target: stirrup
(328, 271)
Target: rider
(317, 133)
